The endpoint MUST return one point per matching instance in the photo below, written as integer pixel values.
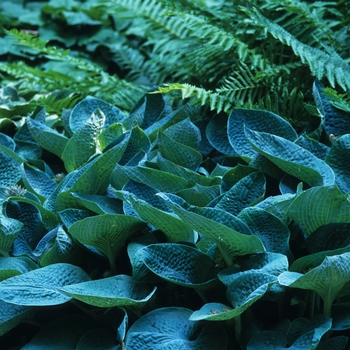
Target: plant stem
(238, 327)
(111, 260)
(327, 306)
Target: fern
(321, 64)
(95, 81)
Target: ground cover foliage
(174, 175)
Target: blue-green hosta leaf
(173, 228)
(216, 133)
(92, 178)
(7, 141)
(224, 218)
(179, 264)
(341, 316)
(262, 121)
(100, 204)
(37, 181)
(185, 132)
(230, 242)
(60, 249)
(187, 111)
(138, 145)
(338, 159)
(70, 216)
(327, 279)
(178, 153)
(272, 231)
(169, 328)
(242, 293)
(114, 291)
(157, 179)
(267, 262)
(99, 338)
(291, 158)
(335, 121)
(301, 335)
(329, 237)
(334, 343)
(140, 272)
(84, 142)
(318, 149)
(199, 195)
(235, 174)
(13, 266)
(109, 134)
(106, 232)
(84, 109)
(9, 167)
(40, 287)
(62, 333)
(319, 206)
(11, 315)
(48, 218)
(248, 191)
(46, 137)
(307, 262)
(190, 176)
(9, 230)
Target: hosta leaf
(100, 204)
(114, 291)
(242, 293)
(179, 264)
(318, 149)
(40, 287)
(105, 232)
(48, 218)
(190, 176)
(305, 263)
(173, 228)
(272, 231)
(185, 132)
(9, 167)
(157, 179)
(93, 178)
(46, 137)
(245, 192)
(319, 206)
(178, 153)
(37, 181)
(327, 279)
(262, 121)
(70, 216)
(268, 263)
(9, 230)
(139, 144)
(329, 237)
(62, 333)
(235, 174)
(11, 315)
(230, 242)
(83, 144)
(216, 133)
(13, 266)
(62, 249)
(335, 121)
(199, 195)
(169, 328)
(187, 111)
(302, 335)
(338, 159)
(291, 158)
(109, 134)
(99, 338)
(84, 109)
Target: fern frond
(320, 63)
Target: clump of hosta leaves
(164, 228)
